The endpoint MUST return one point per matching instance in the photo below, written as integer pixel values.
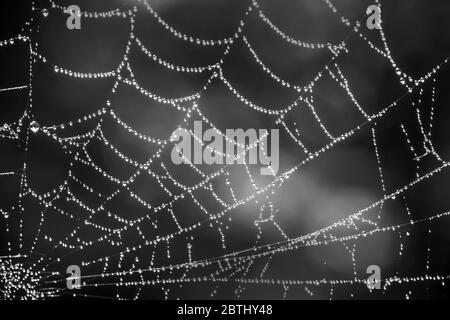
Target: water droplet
(34, 127)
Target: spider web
(218, 231)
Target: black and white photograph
(224, 150)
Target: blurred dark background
(340, 182)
